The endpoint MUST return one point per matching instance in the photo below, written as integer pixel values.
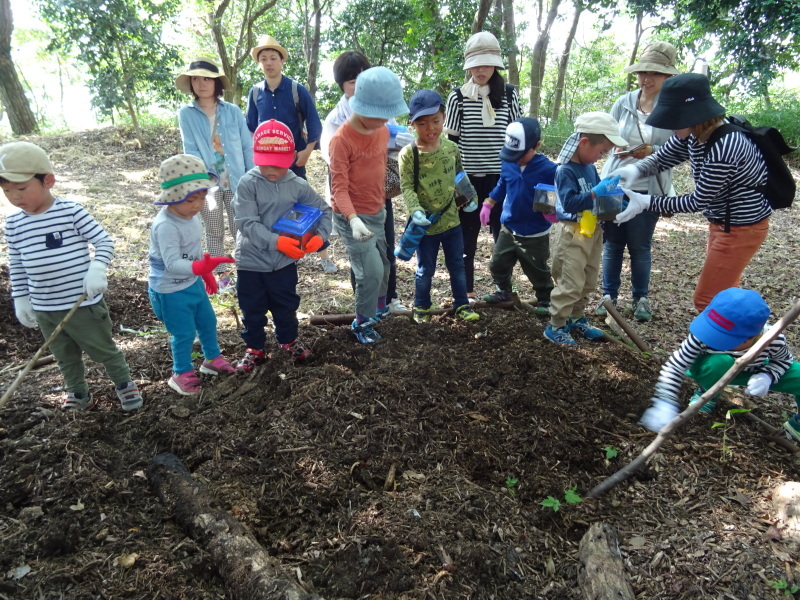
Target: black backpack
(780, 187)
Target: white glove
(637, 203)
(658, 415)
(95, 281)
(758, 384)
(360, 231)
(627, 174)
(403, 139)
(25, 312)
(419, 218)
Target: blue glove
(419, 218)
(605, 186)
(471, 206)
(658, 415)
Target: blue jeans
(637, 235)
(452, 243)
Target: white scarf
(480, 93)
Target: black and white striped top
(48, 254)
(733, 167)
(774, 360)
(479, 145)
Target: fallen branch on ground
(601, 574)
(626, 327)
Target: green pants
(88, 330)
(532, 254)
(709, 368)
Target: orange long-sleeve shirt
(358, 170)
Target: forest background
(566, 56)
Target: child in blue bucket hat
(724, 331)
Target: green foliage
(726, 451)
(611, 452)
(551, 502)
(571, 496)
(779, 109)
(783, 586)
(511, 483)
(119, 42)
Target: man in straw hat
(283, 99)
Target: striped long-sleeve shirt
(729, 174)
(48, 254)
(479, 145)
(774, 360)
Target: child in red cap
(724, 331)
(266, 258)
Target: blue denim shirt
(280, 105)
(237, 142)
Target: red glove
(290, 247)
(314, 244)
(208, 263)
(486, 212)
(211, 283)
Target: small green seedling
(197, 355)
(783, 585)
(611, 452)
(511, 483)
(726, 451)
(551, 502)
(571, 496)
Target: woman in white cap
(215, 132)
(656, 64)
(477, 116)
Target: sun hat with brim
(378, 95)
(424, 103)
(181, 176)
(273, 145)
(483, 50)
(268, 42)
(685, 101)
(658, 57)
(202, 67)
(20, 161)
(521, 135)
(733, 317)
(600, 123)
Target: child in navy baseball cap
(724, 331)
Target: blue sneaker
(382, 315)
(792, 427)
(365, 333)
(582, 326)
(709, 406)
(559, 335)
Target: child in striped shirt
(724, 331)
(51, 270)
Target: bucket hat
(200, 67)
(273, 145)
(19, 161)
(181, 176)
(521, 135)
(424, 103)
(483, 50)
(601, 123)
(268, 42)
(378, 94)
(733, 316)
(685, 101)
(658, 57)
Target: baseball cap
(19, 161)
(521, 135)
(181, 176)
(733, 316)
(424, 103)
(600, 123)
(273, 145)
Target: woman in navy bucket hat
(728, 172)
(724, 331)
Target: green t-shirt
(437, 182)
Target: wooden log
(246, 568)
(626, 327)
(601, 574)
(346, 319)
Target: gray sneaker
(328, 265)
(601, 311)
(641, 310)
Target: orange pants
(727, 255)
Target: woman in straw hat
(656, 64)
(477, 115)
(728, 171)
(215, 131)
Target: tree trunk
(129, 95)
(638, 31)
(11, 93)
(539, 59)
(563, 60)
(246, 568)
(601, 575)
(510, 34)
(313, 55)
(480, 15)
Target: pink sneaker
(185, 384)
(218, 366)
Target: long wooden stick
(346, 319)
(626, 327)
(738, 366)
(40, 351)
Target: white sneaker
(395, 306)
